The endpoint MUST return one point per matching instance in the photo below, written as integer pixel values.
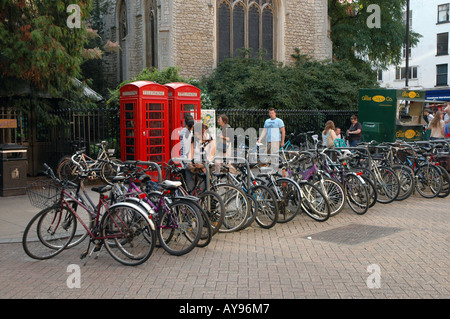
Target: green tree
(40, 50)
(355, 41)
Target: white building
(429, 60)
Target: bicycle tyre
(40, 243)
(372, 190)
(267, 207)
(428, 181)
(388, 188)
(214, 207)
(206, 232)
(314, 202)
(289, 198)
(357, 194)
(445, 189)
(406, 179)
(237, 207)
(335, 194)
(67, 170)
(109, 170)
(129, 238)
(179, 229)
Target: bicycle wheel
(179, 227)
(253, 210)
(207, 231)
(406, 179)
(237, 207)
(49, 232)
(445, 189)
(267, 208)
(214, 207)
(289, 198)
(388, 185)
(83, 216)
(372, 190)
(109, 170)
(67, 170)
(357, 194)
(129, 238)
(335, 194)
(314, 202)
(429, 181)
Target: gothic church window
(245, 24)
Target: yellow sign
(379, 98)
(409, 134)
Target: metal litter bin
(13, 170)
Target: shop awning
(439, 95)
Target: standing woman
(328, 135)
(437, 127)
(354, 132)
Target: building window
(410, 18)
(443, 13)
(380, 75)
(245, 24)
(400, 73)
(442, 75)
(404, 51)
(442, 44)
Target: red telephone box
(183, 99)
(144, 122)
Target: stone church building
(195, 35)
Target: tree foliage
(37, 46)
(246, 82)
(354, 40)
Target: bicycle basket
(43, 193)
(111, 151)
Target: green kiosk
(387, 115)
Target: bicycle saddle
(102, 189)
(170, 184)
(266, 171)
(118, 178)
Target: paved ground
(399, 250)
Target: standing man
(275, 131)
(354, 132)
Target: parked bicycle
(127, 232)
(104, 165)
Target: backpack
(339, 142)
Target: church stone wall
(187, 33)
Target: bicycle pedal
(97, 248)
(84, 254)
